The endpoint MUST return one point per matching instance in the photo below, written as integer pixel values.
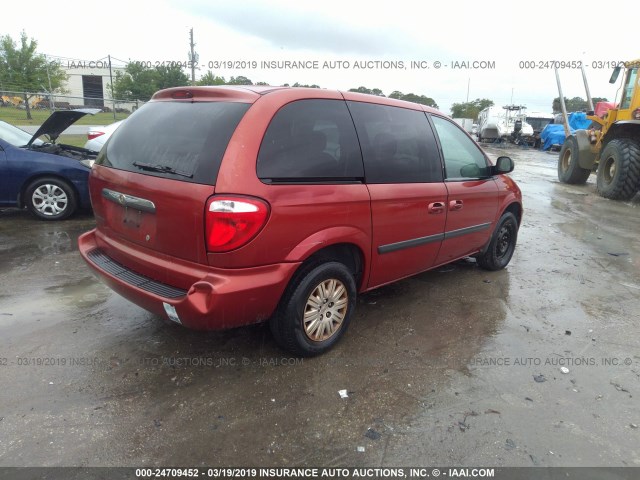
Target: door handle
(455, 205)
(436, 207)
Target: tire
(50, 199)
(315, 284)
(502, 244)
(618, 175)
(569, 171)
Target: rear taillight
(93, 134)
(181, 94)
(636, 114)
(232, 222)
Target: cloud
(292, 28)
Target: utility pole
(52, 105)
(113, 100)
(468, 85)
(193, 57)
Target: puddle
(24, 240)
(40, 308)
(86, 292)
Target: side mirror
(504, 165)
(615, 74)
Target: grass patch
(18, 117)
(75, 140)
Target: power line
(81, 61)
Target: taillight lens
(181, 94)
(636, 114)
(93, 134)
(232, 222)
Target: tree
(172, 76)
(470, 109)
(24, 70)
(136, 82)
(412, 97)
(305, 86)
(141, 82)
(373, 91)
(575, 104)
(239, 80)
(210, 79)
(421, 99)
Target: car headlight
(87, 163)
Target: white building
(89, 84)
(90, 81)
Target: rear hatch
(153, 177)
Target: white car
(97, 136)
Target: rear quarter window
(179, 140)
(310, 141)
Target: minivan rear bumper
(217, 298)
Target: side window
(630, 83)
(398, 144)
(310, 140)
(462, 157)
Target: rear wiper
(161, 168)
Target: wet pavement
(457, 366)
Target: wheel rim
(566, 160)
(325, 310)
(505, 238)
(49, 199)
(609, 170)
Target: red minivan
(224, 206)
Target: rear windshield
(178, 140)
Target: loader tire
(618, 175)
(569, 170)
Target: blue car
(49, 179)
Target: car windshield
(15, 136)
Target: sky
(351, 44)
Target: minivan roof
(251, 93)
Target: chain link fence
(45, 101)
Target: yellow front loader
(611, 146)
